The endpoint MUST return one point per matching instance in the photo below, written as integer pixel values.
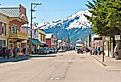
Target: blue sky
(50, 10)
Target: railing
(20, 35)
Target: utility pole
(32, 10)
(103, 53)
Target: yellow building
(41, 35)
(38, 40)
(16, 17)
(3, 30)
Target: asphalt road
(65, 67)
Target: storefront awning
(36, 42)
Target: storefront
(16, 18)
(3, 30)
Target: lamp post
(32, 10)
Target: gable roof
(48, 36)
(10, 12)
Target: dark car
(52, 50)
(43, 51)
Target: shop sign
(117, 37)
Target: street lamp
(33, 6)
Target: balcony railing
(20, 35)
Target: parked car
(52, 50)
(43, 51)
(61, 50)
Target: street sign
(117, 37)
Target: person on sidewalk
(101, 50)
(116, 51)
(14, 52)
(98, 50)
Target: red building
(51, 41)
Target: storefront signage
(117, 37)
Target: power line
(59, 10)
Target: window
(41, 37)
(14, 29)
(2, 28)
(2, 43)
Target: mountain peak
(77, 20)
(76, 26)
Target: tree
(106, 16)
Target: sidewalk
(109, 62)
(12, 59)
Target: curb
(102, 63)
(42, 55)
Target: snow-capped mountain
(75, 26)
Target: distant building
(87, 41)
(38, 37)
(96, 41)
(51, 40)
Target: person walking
(116, 51)
(101, 50)
(98, 50)
(14, 52)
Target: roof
(41, 31)
(25, 26)
(48, 36)
(59, 41)
(96, 36)
(11, 12)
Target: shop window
(2, 43)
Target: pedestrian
(101, 50)
(0, 50)
(98, 50)
(4, 51)
(14, 52)
(116, 51)
(8, 53)
(24, 51)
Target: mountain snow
(80, 22)
(75, 26)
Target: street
(65, 67)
